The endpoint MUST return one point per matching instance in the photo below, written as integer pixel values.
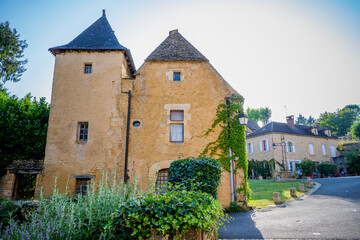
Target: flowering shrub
(80, 217)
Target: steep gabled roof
(252, 125)
(176, 48)
(276, 127)
(98, 37)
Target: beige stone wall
(7, 185)
(78, 97)
(301, 147)
(154, 95)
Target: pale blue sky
(304, 54)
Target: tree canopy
(11, 54)
(259, 114)
(23, 128)
(340, 121)
(302, 120)
(355, 130)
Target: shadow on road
(242, 226)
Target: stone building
(107, 116)
(291, 144)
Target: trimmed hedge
(202, 174)
(327, 169)
(172, 213)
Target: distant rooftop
(252, 125)
(176, 48)
(276, 127)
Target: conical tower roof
(176, 48)
(99, 36)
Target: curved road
(333, 211)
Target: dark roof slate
(176, 48)
(276, 127)
(99, 36)
(252, 125)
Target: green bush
(306, 167)
(353, 161)
(262, 168)
(168, 214)
(327, 169)
(202, 174)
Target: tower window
(88, 68)
(177, 77)
(83, 131)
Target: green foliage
(327, 169)
(340, 121)
(168, 214)
(353, 161)
(202, 174)
(262, 168)
(265, 115)
(8, 210)
(233, 207)
(233, 138)
(355, 130)
(307, 167)
(302, 120)
(23, 128)
(262, 114)
(253, 114)
(12, 48)
(61, 216)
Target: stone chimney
(290, 120)
(173, 32)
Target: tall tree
(253, 114)
(265, 115)
(11, 54)
(311, 120)
(340, 121)
(301, 120)
(23, 128)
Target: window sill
(80, 142)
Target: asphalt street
(333, 211)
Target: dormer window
(328, 133)
(314, 131)
(88, 68)
(177, 77)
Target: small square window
(83, 131)
(82, 185)
(88, 68)
(177, 77)
(177, 115)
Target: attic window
(177, 77)
(88, 68)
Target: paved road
(333, 211)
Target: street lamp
(243, 119)
(283, 146)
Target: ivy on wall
(231, 136)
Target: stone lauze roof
(176, 48)
(276, 127)
(252, 125)
(99, 36)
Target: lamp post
(243, 121)
(283, 145)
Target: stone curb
(311, 191)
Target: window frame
(83, 137)
(86, 67)
(177, 111)
(324, 150)
(161, 180)
(264, 145)
(311, 149)
(79, 187)
(176, 76)
(182, 133)
(250, 147)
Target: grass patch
(262, 192)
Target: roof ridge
(176, 48)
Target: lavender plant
(62, 216)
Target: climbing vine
(233, 138)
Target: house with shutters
(290, 144)
(106, 115)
